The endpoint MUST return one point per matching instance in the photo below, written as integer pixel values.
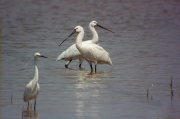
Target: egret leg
(28, 106)
(91, 67)
(34, 104)
(67, 63)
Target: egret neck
(35, 79)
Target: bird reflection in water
(83, 73)
(93, 76)
(89, 87)
(29, 114)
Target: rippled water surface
(145, 51)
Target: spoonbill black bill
(92, 53)
(72, 53)
(32, 88)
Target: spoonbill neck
(94, 33)
(36, 70)
(79, 39)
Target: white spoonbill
(92, 53)
(72, 52)
(32, 88)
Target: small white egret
(92, 53)
(72, 53)
(32, 88)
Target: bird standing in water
(32, 88)
(72, 53)
(92, 53)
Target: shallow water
(144, 50)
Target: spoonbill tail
(92, 53)
(72, 52)
(32, 88)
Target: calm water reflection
(29, 114)
(145, 51)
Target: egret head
(39, 55)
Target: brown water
(145, 52)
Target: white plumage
(31, 90)
(92, 53)
(72, 53)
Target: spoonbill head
(31, 90)
(95, 24)
(79, 28)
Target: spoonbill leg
(80, 62)
(34, 104)
(67, 63)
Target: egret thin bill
(43, 56)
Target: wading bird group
(82, 50)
